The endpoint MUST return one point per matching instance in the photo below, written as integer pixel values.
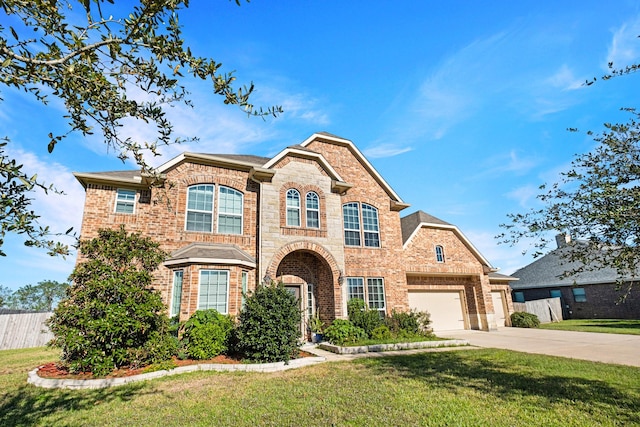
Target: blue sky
(461, 106)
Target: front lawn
(609, 326)
(463, 388)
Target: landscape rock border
(392, 347)
(75, 384)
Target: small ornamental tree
(269, 327)
(112, 317)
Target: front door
(295, 290)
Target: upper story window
(353, 233)
(230, 205)
(125, 201)
(313, 210)
(439, 253)
(293, 208)
(200, 208)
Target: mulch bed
(55, 370)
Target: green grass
(460, 388)
(609, 326)
(371, 341)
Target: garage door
(498, 307)
(445, 307)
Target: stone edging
(391, 347)
(36, 380)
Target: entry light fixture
(340, 278)
(266, 280)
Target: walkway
(607, 348)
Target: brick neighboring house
(585, 295)
(317, 217)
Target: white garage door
(498, 307)
(445, 307)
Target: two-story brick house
(317, 217)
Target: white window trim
(187, 210)
(358, 230)
(226, 311)
(135, 197)
(241, 215)
(377, 232)
(298, 208)
(365, 290)
(441, 255)
(173, 289)
(308, 209)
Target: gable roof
(398, 203)
(549, 270)
(411, 224)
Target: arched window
(370, 226)
(352, 216)
(439, 253)
(313, 210)
(293, 208)
(230, 207)
(200, 208)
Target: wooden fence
(548, 310)
(24, 330)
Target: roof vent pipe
(563, 239)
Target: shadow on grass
(506, 378)
(614, 324)
(27, 405)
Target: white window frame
(186, 216)
(172, 310)
(126, 201)
(367, 295)
(230, 214)
(353, 231)
(245, 287)
(316, 209)
(293, 209)
(366, 231)
(439, 253)
(206, 306)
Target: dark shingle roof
(549, 270)
(410, 222)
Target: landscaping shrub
(382, 332)
(112, 317)
(361, 316)
(206, 334)
(524, 320)
(409, 323)
(269, 325)
(342, 331)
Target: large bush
(362, 317)
(206, 334)
(342, 331)
(524, 320)
(112, 317)
(269, 325)
(404, 324)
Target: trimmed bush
(409, 323)
(206, 334)
(362, 317)
(342, 331)
(269, 327)
(382, 332)
(524, 320)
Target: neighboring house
(589, 294)
(317, 217)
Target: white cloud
(502, 256)
(385, 150)
(507, 163)
(625, 48)
(523, 195)
(564, 79)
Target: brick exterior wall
(297, 255)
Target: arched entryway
(312, 274)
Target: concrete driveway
(607, 348)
